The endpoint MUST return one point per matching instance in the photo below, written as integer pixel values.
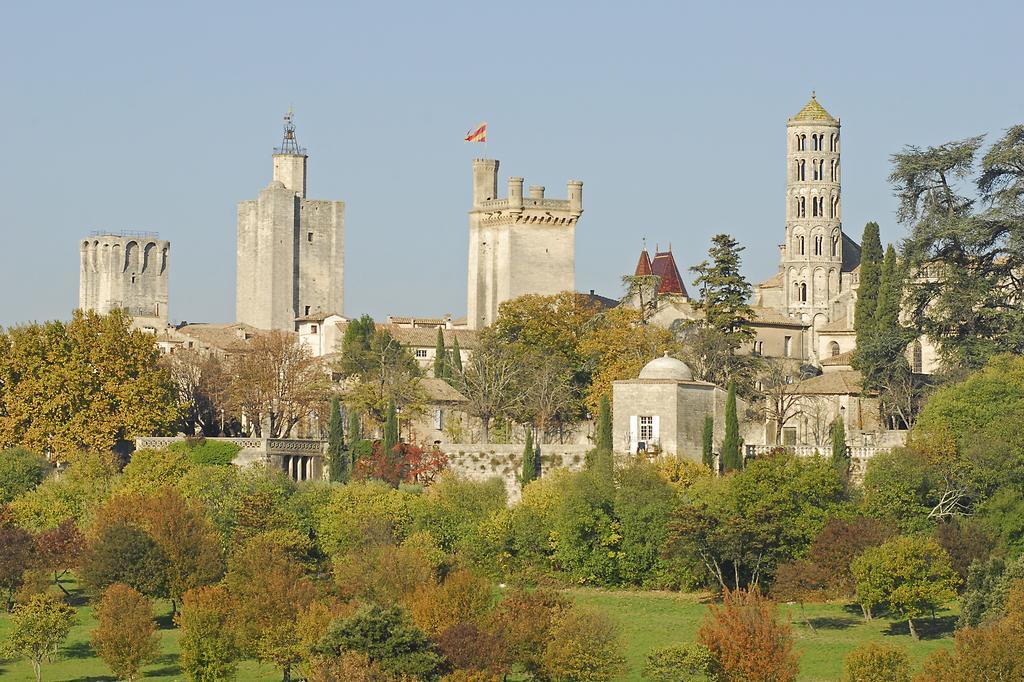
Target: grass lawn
(648, 620)
(655, 619)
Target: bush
(20, 471)
(748, 641)
(680, 663)
(461, 597)
(987, 589)
(361, 510)
(124, 553)
(126, 636)
(584, 647)
(214, 452)
(875, 662)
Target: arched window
(801, 143)
(800, 170)
(917, 357)
(833, 349)
(817, 245)
(800, 245)
(803, 292)
(803, 207)
(835, 246)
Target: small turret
(515, 194)
(575, 188)
(485, 180)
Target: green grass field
(648, 619)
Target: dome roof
(668, 368)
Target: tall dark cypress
(529, 460)
(456, 364)
(390, 429)
(440, 357)
(603, 437)
(870, 280)
(840, 458)
(707, 455)
(732, 458)
(337, 456)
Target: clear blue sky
(161, 116)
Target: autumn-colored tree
(85, 384)
(384, 573)
(59, 550)
(275, 382)
(992, 651)
(16, 549)
(747, 639)
(38, 628)
(527, 620)
(404, 463)
(799, 581)
(209, 651)
(874, 662)
(619, 344)
(125, 553)
(471, 646)
(838, 544)
(584, 645)
(268, 590)
(460, 597)
(126, 637)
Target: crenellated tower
(127, 271)
(518, 245)
(813, 253)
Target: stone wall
(125, 271)
(482, 461)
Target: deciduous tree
(20, 471)
(874, 662)
(209, 651)
(125, 553)
(747, 639)
(126, 636)
(38, 628)
(585, 646)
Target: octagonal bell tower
(812, 257)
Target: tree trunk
(486, 423)
(913, 631)
(37, 669)
(867, 611)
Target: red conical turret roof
(664, 266)
(643, 267)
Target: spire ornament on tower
(289, 143)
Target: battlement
(486, 199)
(125, 234)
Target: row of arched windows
(817, 142)
(819, 241)
(817, 207)
(817, 170)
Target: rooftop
(813, 111)
(846, 382)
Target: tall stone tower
(291, 250)
(126, 270)
(518, 245)
(813, 255)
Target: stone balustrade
(301, 459)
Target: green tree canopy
(723, 291)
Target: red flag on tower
(479, 134)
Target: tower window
(801, 143)
(835, 246)
(803, 207)
(817, 246)
(309, 236)
(787, 346)
(307, 310)
(800, 245)
(800, 175)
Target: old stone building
(128, 271)
(291, 250)
(518, 245)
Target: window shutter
(655, 434)
(633, 434)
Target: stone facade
(125, 271)
(291, 250)
(517, 245)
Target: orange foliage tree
(126, 636)
(748, 641)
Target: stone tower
(128, 271)
(291, 250)
(518, 245)
(813, 254)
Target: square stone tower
(291, 250)
(518, 245)
(125, 270)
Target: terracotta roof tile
(643, 266)
(664, 266)
(843, 359)
(440, 391)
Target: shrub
(471, 647)
(584, 647)
(461, 597)
(527, 619)
(873, 662)
(747, 640)
(126, 636)
(214, 452)
(124, 553)
(989, 652)
(362, 507)
(680, 663)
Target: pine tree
(707, 450)
(391, 429)
(440, 357)
(723, 290)
(456, 363)
(840, 457)
(732, 458)
(337, 456)
(867, 290)
(529, 461)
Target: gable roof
(426, 337)
(664, 266)
(440, 391)
(843, 382)
(841, 360)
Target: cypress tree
(355, 429)
(707, 454)
(338, 457)
(890, 293)
(732, 458)
(870, 280)
(529, 460)
(840, 458)
(440, 357)
(390, 429)
(603, 437)
(456, 355)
